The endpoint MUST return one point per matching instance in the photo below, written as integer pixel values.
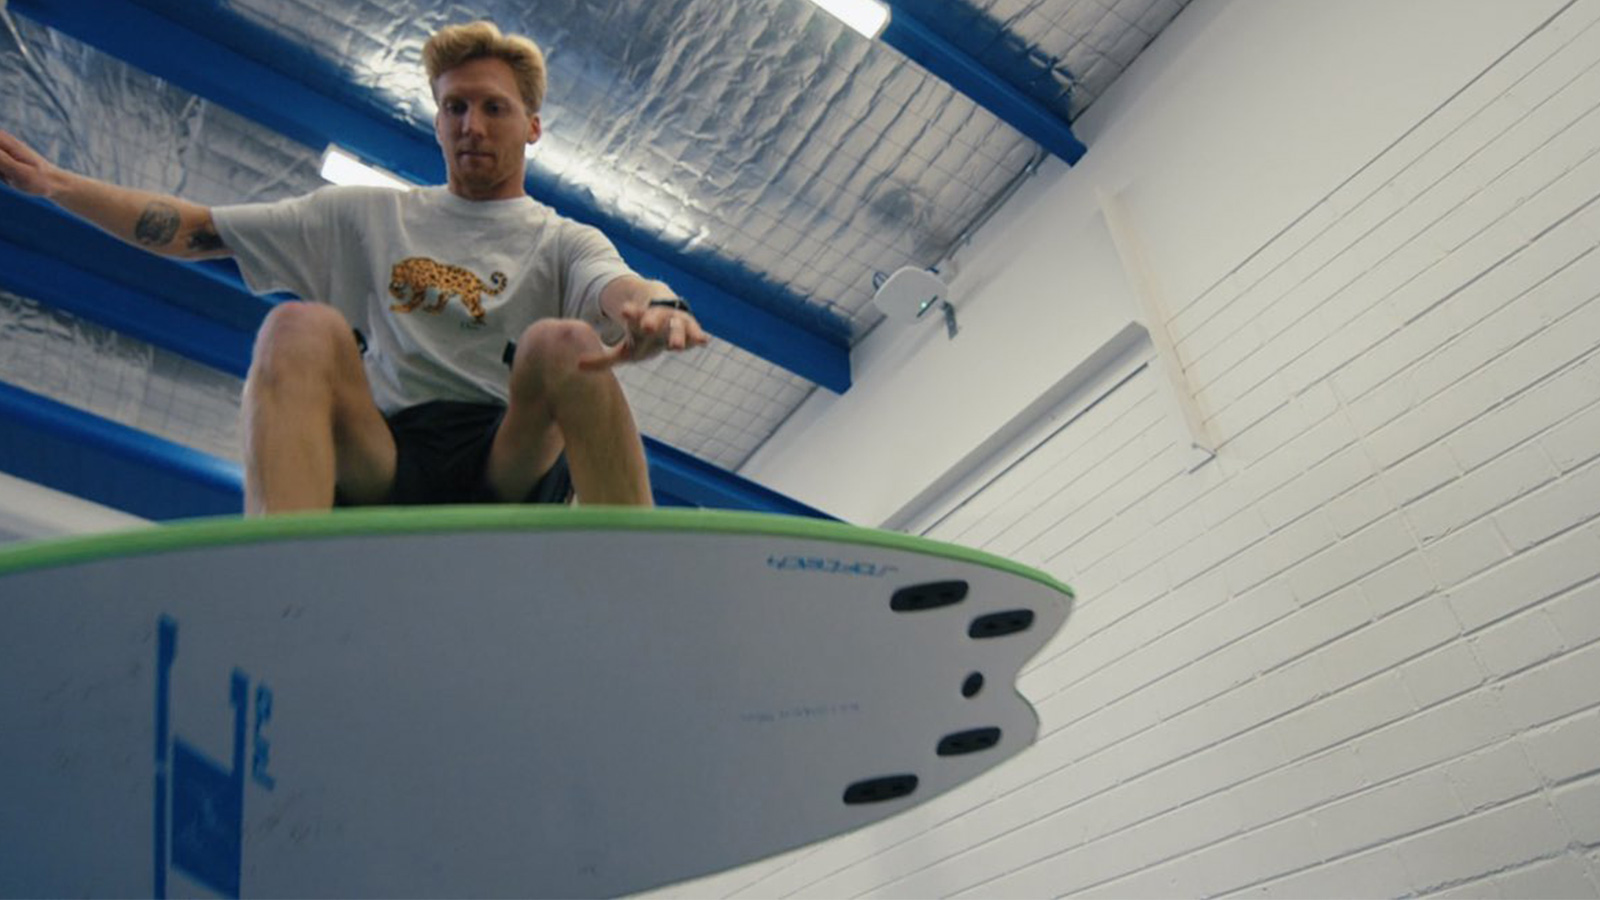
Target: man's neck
(511, 189)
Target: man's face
(483, 129)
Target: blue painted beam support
(213, 52)
(55, 258)
(959, 70)
(84, 455)
(679, 479)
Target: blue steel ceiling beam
(30, 274)
(959, 70)
(680, 479)
(84, 455)
(214, 53)
(55, 258)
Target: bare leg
(309, 419)
(555, 405)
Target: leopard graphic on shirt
(413, 277)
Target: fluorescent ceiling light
(866, 16)
(340, 167)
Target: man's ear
(535, 129)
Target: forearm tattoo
(157, 224)
(205, 238)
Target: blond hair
(453, 45)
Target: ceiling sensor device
(910, 293)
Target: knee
(301, 339)
(551, 348)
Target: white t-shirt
(436, 283)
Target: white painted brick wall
(1526, 830)
(1563, 876)
(1443, 674)
(1358, 653)
(1565, 750)
(1466, 552)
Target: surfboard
(489, 701)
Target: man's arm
(154, 222)
(665, 324)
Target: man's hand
(651, 329)
(24, 170)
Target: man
(395, 388)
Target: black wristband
(677, 303)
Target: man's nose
(472, 121)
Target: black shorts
(442, 452)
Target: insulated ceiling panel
(61, 356)
(98, 116)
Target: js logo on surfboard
(828, 566)
(199, 803)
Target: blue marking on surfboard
(828, 565)
(200, 822)
(260, 746)
(166, 649)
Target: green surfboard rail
(225, 531)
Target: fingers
(658, 327)
(14, 152)
(671, 334)
(10, 157)
(694, 335)
(685, 333)
(20, 167)
(605, 359)
(649, 331)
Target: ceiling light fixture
(866, 16)
(339, 167)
